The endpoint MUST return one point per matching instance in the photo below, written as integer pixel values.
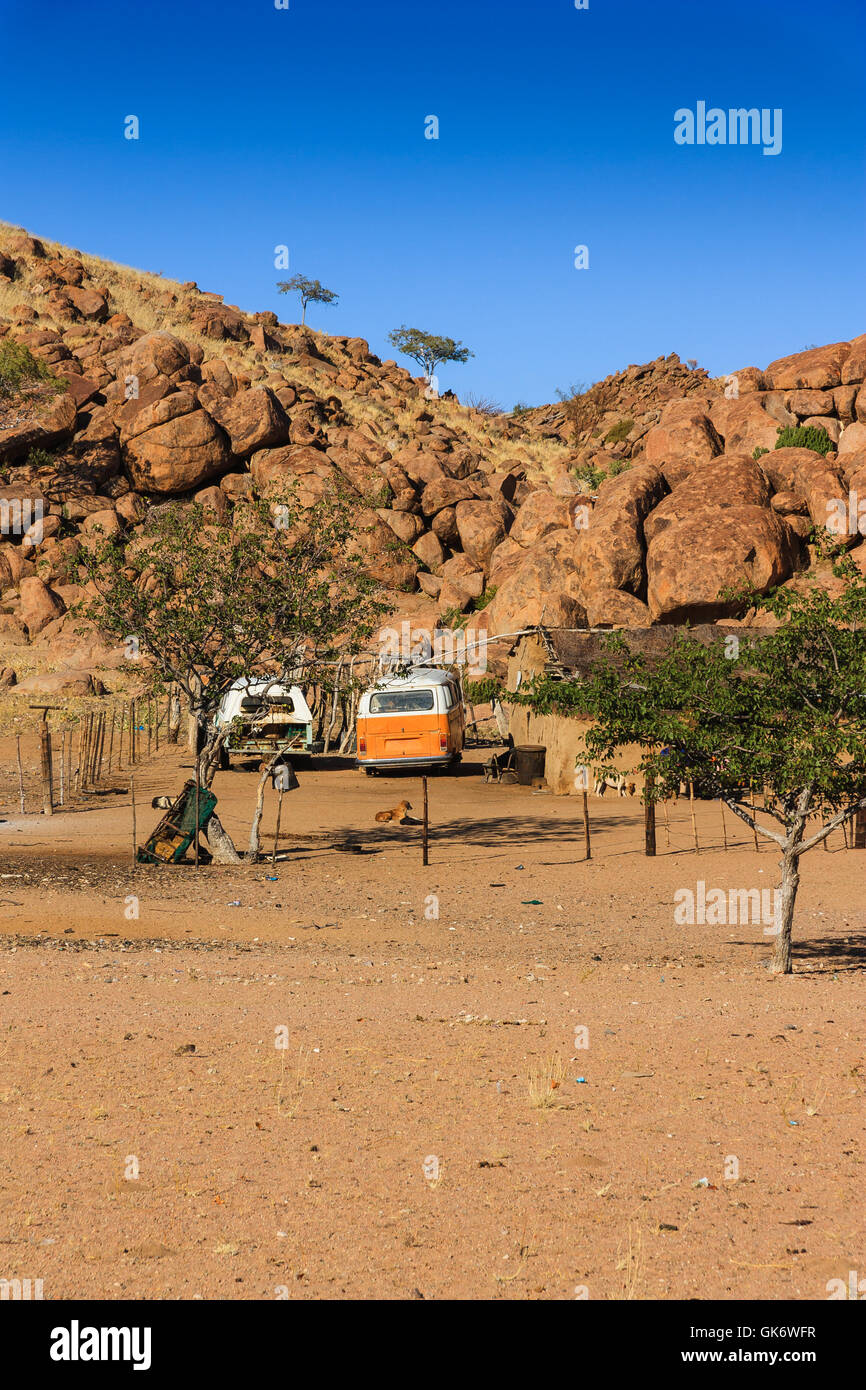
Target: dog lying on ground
(617, 784)
(397, 816)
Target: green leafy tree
(428, 349)
(786, 713)
(309, 292)
(203, 603)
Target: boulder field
(672, 493)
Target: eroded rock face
(691, 561)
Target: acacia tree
(785, 713)
(427, 349)
(309, 292)
(203, 603)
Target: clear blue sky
(305, 126)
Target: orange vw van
(414, 721)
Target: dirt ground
(511, 1074)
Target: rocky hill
(630, 504)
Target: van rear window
(401, 702)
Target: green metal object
(173, 836)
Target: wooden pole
(586, 840)
(667, 822)
(156, 726)
(859, 837)
(724, 827)
(80, 763)
(132, 739)
(111, 738)
(69, 764)
(62, 767)
(277, 833)
(149, 716)
(121, 723)
(649, 818)
(692, 807)
(85, 752)
(425, 833)
(134, 831)
(197, 797)
(100, 747)
(20, 775)
(45, 748)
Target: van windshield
(401, 702)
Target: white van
(267, 716)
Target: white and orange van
(414, 721)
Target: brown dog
(398, 814)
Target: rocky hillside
(631, 504)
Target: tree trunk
(174, 716)
(220, 843)
(195, 715)
(267, 772)
(790, 864)
(790, 883)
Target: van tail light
(362, 744)
(443, 743)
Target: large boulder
(253, 419)
(852, 439)
(815, 370)
(690, 562)
(540, 513)
(616, 608)
(39, 606)
(481, 526)
(45, 426)
(387, 563)
(744, 423)
(612, 546)
(174, 446)
(854, 366)
(726, 481)
(545, 585)
(69, 682)
(155, 354)
(278, 470)
(684, 436)
(444, 492)
(427, 548)
(817, 480)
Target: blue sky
(261, 127)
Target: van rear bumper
(439, 761)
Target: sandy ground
(434, 1126)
